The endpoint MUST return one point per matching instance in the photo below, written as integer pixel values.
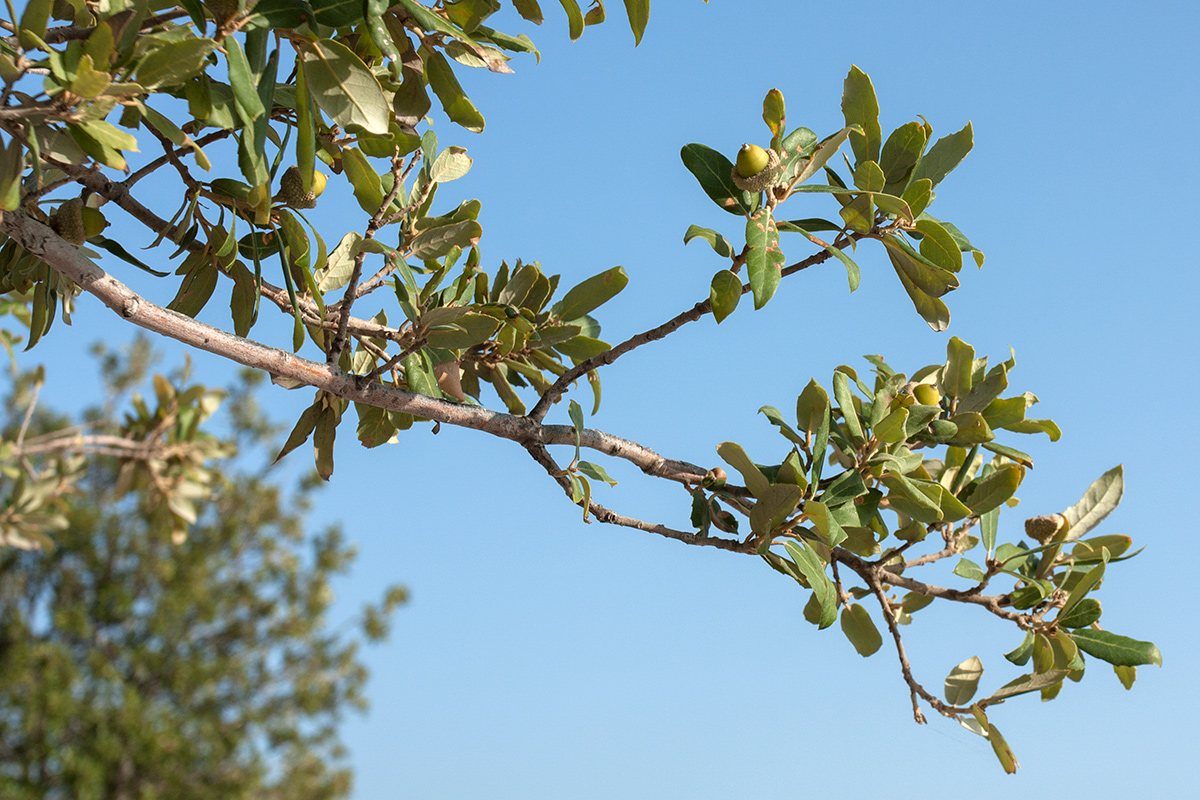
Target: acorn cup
(756, 169)
(1043, 529)
(291, 189)
(67, 221)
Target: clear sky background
(541, 657)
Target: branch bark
(65, 259)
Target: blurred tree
(140, 659)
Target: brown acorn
(1043, 529)
(67, 221)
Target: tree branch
(542, 456)
(551, 396)
(70, 263)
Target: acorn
(927, 394)
(94, 222)
(756, 169)
(291, 189)
(1043, 529)
(67, 221)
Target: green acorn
(756, 169)
(94, 222)
(927, 394)
(291, 189)
(67, 221)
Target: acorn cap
(67, 221)
(291, 190)
(762, 180)
(1043, 529)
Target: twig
(351, 294)
(543, 457)
(551, 395)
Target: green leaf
(901, 152)
(466, 331)
(1089, 581)
(451, 164)
(724, 294)
(718, 242)
(860, 107)
(1126, 675)
(323, 437)
(245, 91)
(638, 12)
(1033, 682)
(931, 309)
(990, 492)
(574, 18)
(845, 400)
(938, 245)
(946, 154)
(918, 195)
(120, 252)
(374, 425)
(199, 281)
(861, 630)
(869, 177)
(1097, 502)
(956, 377)
(337, 13)
(764, 260)
(1046, 426)
(824, 151)
(733, 455)
(966, 568)
(173, 63)
(344, 88)
(777, 502)
(1091, 551)
(812, 408)
(1003, 752)
(774, 114)
(963, 681)
(715, 174)
(813, 569)
(175, 135)
(1120, 651)
(529, 10)
(825, 523)
(448, 90)
(596, 472)
(853, 275)
(906, 496)
(437, 242)
(33, 21)
(1086, 612)
(890, 429)
(300, 433)
(590, 294)
(924, 274)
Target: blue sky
(541, 657)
